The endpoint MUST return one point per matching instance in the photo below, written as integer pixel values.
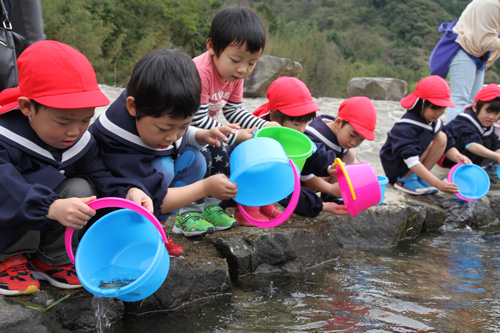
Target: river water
(442, 282)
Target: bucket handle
(338, 163)
(288, 210)
(110, 202)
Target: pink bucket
(359, 186)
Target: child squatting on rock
(472, 132)
(291, 105)
(146, 135)
(235, 42)
(51, 167)
(416, 142)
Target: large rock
(379, 88)
(268, 69)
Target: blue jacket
(30, 174)
(127, 155)
(410, 136)
(328, 147)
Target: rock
(268, 69)
(379, 88)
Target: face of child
(298, 126)
(346, 135)
(59, 128)
(432, 113)
(485, 116)
(235, 62)
(161, 132)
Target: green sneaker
(220, 220)
(191, 224)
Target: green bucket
(297, 146)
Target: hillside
(334, 40)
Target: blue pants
(188, 168)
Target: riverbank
(214, 263)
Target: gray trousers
(48, 244)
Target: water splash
(101, 305)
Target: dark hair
(418, 108)
(281, 117)
(163, 82)
(237, 25)
(493, 107)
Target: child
(51, 166)
(473, 133)
(291, 105)
(416, 142)
(334, 138)
(145, 134)
(234, 45)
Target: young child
(235, 43)
(51, 167)
(291, 105)
(473, 133)
(416, 142)
(145, 134)
(335, 138)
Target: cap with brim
(433, 89)
(58, 76)
(360, 112)
(8, 99)
(290, 96)
(488, 93)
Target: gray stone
(268, 69)
(378, 88)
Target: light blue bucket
(382, 181)
(262, 171)
(122, 254)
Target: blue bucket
(472, 181)
(122, 254)
(382, 181)
(262, 171)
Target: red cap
(488, 93)
(360, 112)
(58, 76)
(433, 89)
(290, 96)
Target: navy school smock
(410, 136)
(466, 128)
(30, 173)
(127, 155)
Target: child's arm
(217, 186)
(318, 184)
(480, 150)
(454, 155)
(215, 135)
(426, 175)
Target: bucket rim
(301, 135)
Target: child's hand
(220, 187)
(463, 159)
(271, 124)
(138, 196)
(334, 208)
(245, 134)
(332, 170)
(445, 186)
(71, 212)
(214, 135)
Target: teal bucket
(123, 254)
(382, 181)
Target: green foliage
(334, 40)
